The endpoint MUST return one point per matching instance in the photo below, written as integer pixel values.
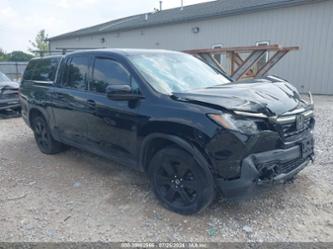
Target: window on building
(76, 72)
(109, 72)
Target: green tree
(19, 56)
(40, 44)
(3, 55)
(15, 56)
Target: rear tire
(43, 137)
(179, 182)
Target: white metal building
(304, 23)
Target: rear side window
(76, 72)
(41, 70)
(108, 72)
(29, 70)
(45, 70)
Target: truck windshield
(3, 78)
(176, 72)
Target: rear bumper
(276, 166)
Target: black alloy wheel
(179, 182)
(44, 138)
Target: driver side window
(108, 72)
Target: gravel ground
(76, 196)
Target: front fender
(182, 143)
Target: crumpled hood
(9, 84)
(258, 95)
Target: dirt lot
(76, 196)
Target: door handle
(91, 103)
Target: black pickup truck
(188, 126)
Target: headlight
(231, 122)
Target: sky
(20, 20)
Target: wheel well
(152, 147)
(34, 113)
(157, 144)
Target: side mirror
(121, 92)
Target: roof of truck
(47, 57)
(123, 51)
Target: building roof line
(207, 10)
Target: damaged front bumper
(7, 104)
(275, 166)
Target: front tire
(43, 137)
(179, 182)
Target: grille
(274, 168)
(289, 166)
(9, 94)
(289, 130)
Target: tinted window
(29, 70)
(53, 68)
(76, 72)
(45, 69)
(107, 72)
